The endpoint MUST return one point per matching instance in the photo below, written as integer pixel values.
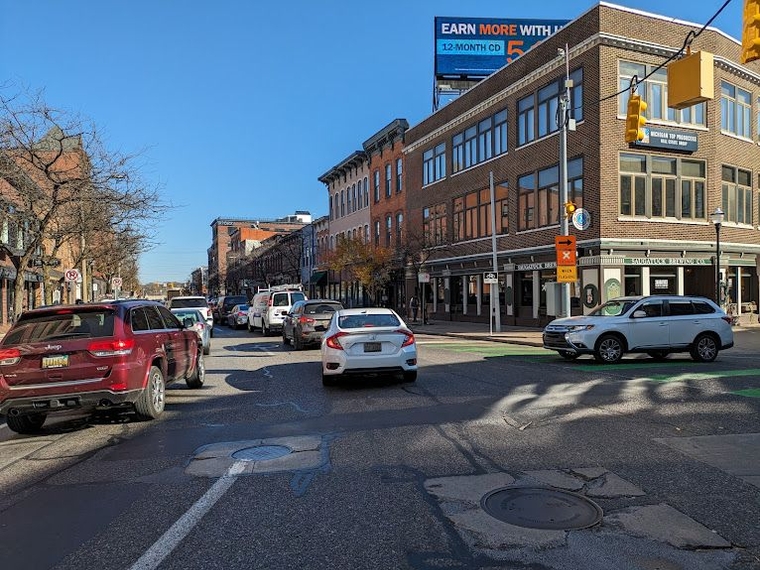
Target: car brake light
(409, 337)
(9, 356)
(111, 347)
(306, 320)
(333, 342)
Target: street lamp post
(717, 219)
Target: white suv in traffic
(656, 325)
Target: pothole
(541, 508)
(262, 453)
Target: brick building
(649, 202)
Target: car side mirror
(639, 314)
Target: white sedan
(361, 342)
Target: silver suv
(656, 325)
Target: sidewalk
(529, 336)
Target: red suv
(119, 354)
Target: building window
(353, 191)
(388, 180)
(348, 199)
(331, 208)
(470, 146)
(434, 224)
(662, 187)
(457, 152)
(337, 206)
(500, 133)
(434, 164)
(525, 120)
(548, 108)
(399, 228)
(548, 196)
(654, 91)
(376, 184)
(366, 233)
(342, 203)
(485, 139)
(377, 232)
(526, 202)
(366, 192)
(576, 95)
(737, 195)
(399, 172)
(735, 110)
(472, 213)
(388, 230)
(575, 181)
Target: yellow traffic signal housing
(570, 209)
(690, 80)
(751, 31)
(635, 120)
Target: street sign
(581, 219)
(423, 278)
(567, 274)
(116, 282)
(565, 246)
(490, 277)
(72, 275)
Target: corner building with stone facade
(649, 202)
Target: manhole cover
(262, 453)
(543, 508)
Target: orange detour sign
(567, 272)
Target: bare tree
(64, 190)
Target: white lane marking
(180, 529)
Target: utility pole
(563, 119)
(495, 316)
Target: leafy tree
(368, 264)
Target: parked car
(256, 309)
(278, 306)
(195, 302)
(200, 325)
(94, 356)
(656, 325)
(307, 321)
(360, 342)
(238, 316)
(225, 304)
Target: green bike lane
(726, 375)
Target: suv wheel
(198, 375)
(265, 329)
(151, 401)
(285, 339)
(609, 349)
(26, 424)
(705, 348)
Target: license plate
(371, 347)
(55, 361)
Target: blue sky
(237, 106)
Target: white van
(256, 309)
(278, 305)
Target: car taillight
(306, 321)
(334, 342)
(111, 347)
(409, 337)
(9, 356)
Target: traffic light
(635, 120)
(751, 31)
(570, 209)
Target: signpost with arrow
(567, 271)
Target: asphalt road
(266, 468)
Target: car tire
(705, 348)
(410, 376)
(265, 329)
(567, 355)
(250, 329)
(328, 380)
(285, 339)
(658, 354)
(297, 340)
(151, 401)
(609, 349)
(27, 424)
(198, 375)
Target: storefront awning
(319, 278)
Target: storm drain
(541, 508)
(262, 453)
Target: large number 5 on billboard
(513, 49)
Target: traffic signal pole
(562, 117)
